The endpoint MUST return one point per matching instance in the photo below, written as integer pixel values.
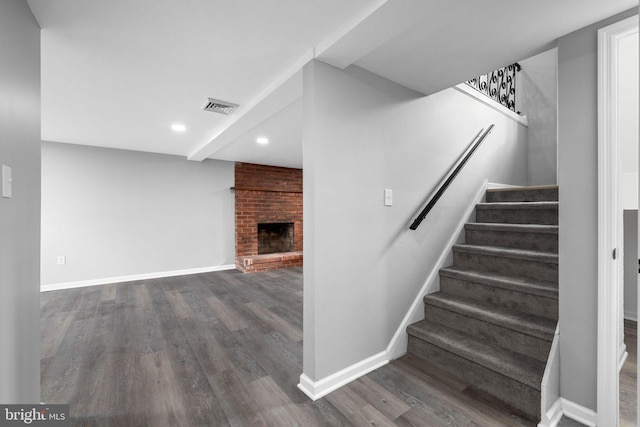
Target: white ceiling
(284, 131)
(118, 73)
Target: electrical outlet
(62, 260)
(7, 182)
(388, 197)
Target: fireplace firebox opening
(275, 237)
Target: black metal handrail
(450, 176)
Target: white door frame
(609, 226)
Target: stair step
(541, 237)
(511, 377)
(526, 370)
(522, 323)
(523, 194)
(504, 328)
(514, 283)
(507, 262)
(518, 213)
(515, 293)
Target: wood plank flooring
(220, 349)
(629, 377)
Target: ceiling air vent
(218, 106)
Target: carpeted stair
(493, 320)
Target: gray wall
(631, 264)
(117, 213)
(363, 266)
(578, 239)
(537, 93)
(20, 215)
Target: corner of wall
(20, 214)
(579, 413)
(318, 389)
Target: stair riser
(506, 298)
(542, 195)
(519, 396)
(548, 216)
(512, 239)
(496, 335)
(507, 266)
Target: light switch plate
(388, 197)
(7, 182)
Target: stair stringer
(399, 342)
(550, 404)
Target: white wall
(629, 190)
(116, 213)
(628, 118)
(20, 215)
(578, 226)
(628, 132)
(537, 92)
(363, 266)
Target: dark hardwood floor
(629, 377)
(223, 348)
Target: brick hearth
(266, 194)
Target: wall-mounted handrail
(450, 176)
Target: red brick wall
(266, 194)
(260, 177)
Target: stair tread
(539, 327)
(518, 367)
(515, 283)
(522, 228)
(518, 205)
(540, 256)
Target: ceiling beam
(385, 20)
(278, 94)
(281, 91)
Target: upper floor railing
(499, 85)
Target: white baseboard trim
(553, 415)
(623, 353)
(579, 413)
(495, 185)
(307, 387)
(398, 345)
(316, 390)
(145, 276)
(631, 315)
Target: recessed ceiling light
(262, 140)
(177, 127)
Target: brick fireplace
(268, 217)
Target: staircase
(494, 318)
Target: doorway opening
(611, 349)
